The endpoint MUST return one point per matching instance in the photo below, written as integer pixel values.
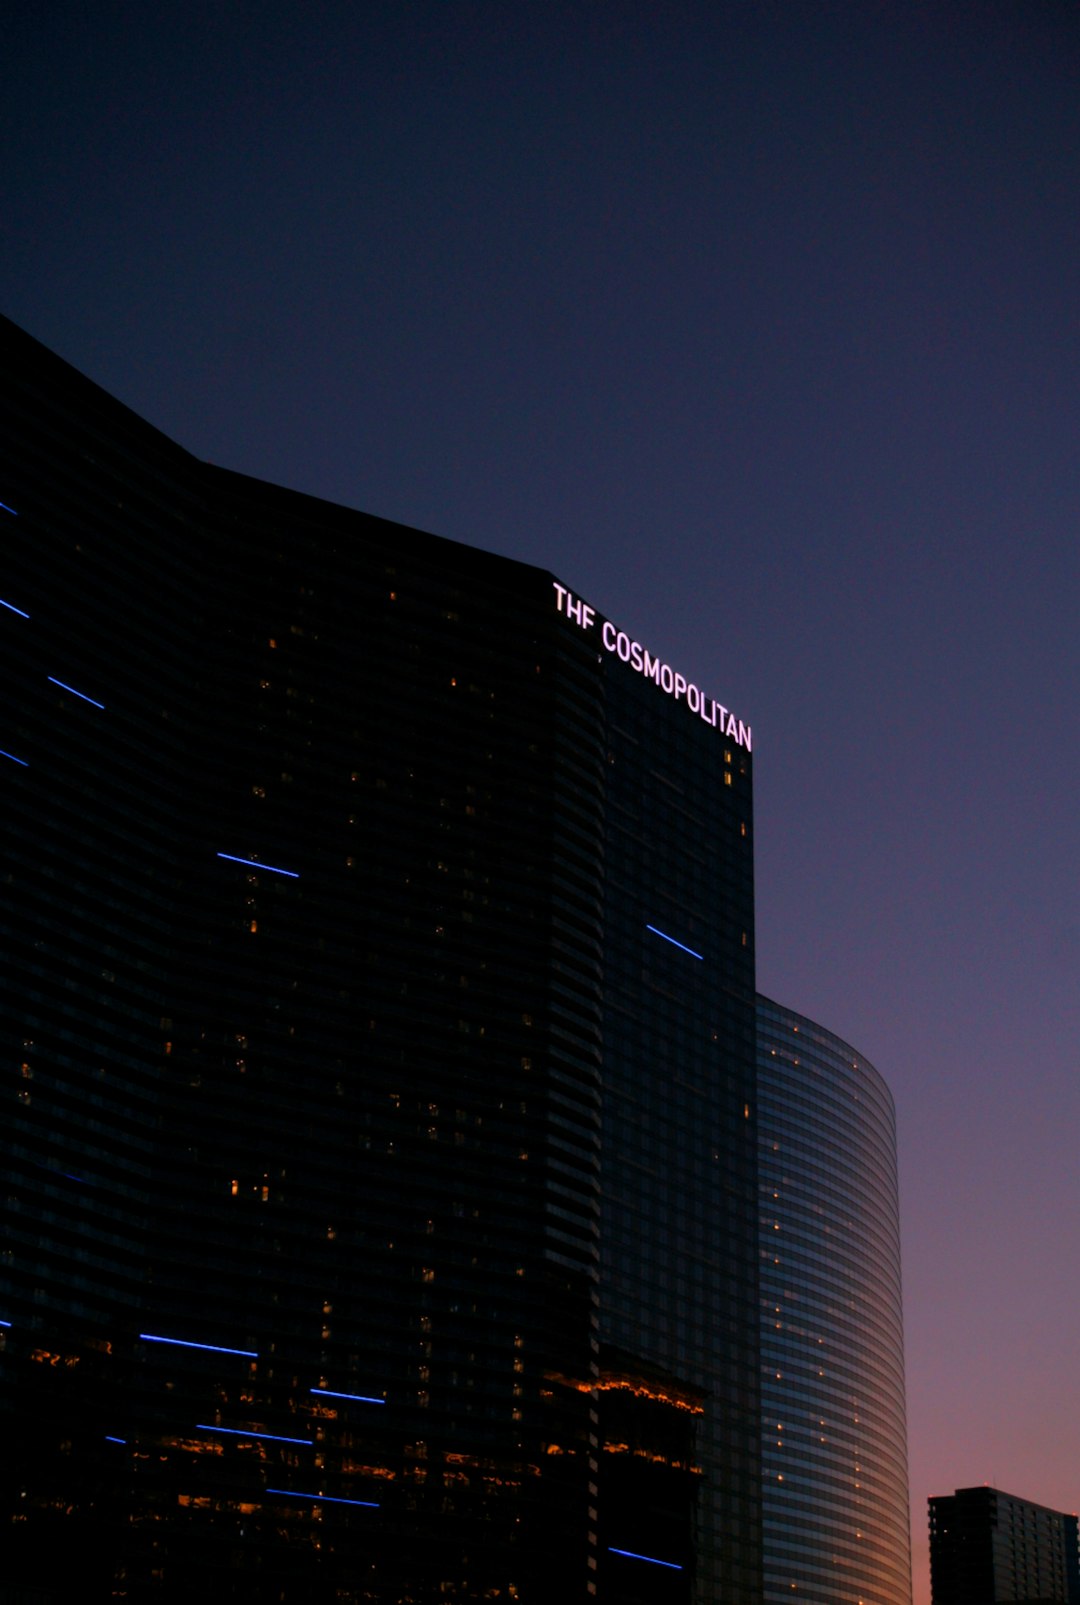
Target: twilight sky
(758, 322)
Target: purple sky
(759, 324)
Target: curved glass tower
(834, 1458)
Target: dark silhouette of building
(987, 1546)
(834, 1444)
(379, 1034)
(379, 1025)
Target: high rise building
(987, 1546)
(834, 1442)
(378, 1032)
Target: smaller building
(987, 1546)
(835, 1509)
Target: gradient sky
(759, 324)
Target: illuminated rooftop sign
(661, 674)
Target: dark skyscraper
(379, 1029)
(987, 1546)
(381, 1150)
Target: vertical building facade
(678, 1242)
(987, 1546)
(406, 1195)
(834, 1442)
(378, 1033)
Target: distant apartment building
(987, 1546)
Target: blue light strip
(240, 1432)
(12, 606)
(673, 942)
(652, 1560)
(13, 758)
(249, 863)
(148, 1337)
(73, 691)
(114, 1440)
(5, 1323)
(324, 1499)
(8, 509)
(361, 1398)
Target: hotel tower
(380, 1059)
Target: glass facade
(834, 1449)
(678, 1238)
(378, 1054)
(396, 1153)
